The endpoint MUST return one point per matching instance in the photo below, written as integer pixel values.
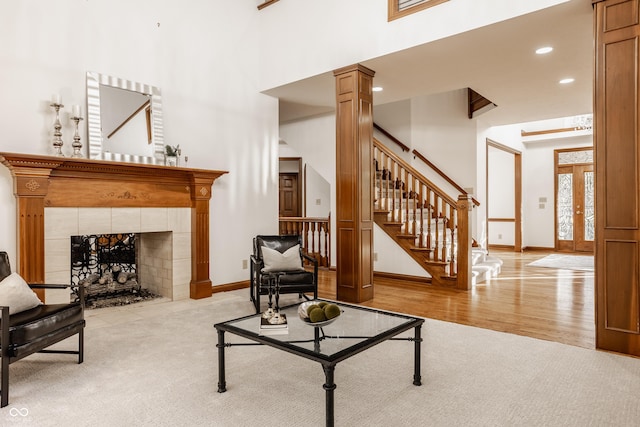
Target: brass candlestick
(57, 133)
(77, 144)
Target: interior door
(575, 209)
(289, 205)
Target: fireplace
(62, 197)
(163, 238)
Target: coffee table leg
(329, 386)
(222, 384)
(417, 378)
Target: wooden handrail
(135, 113)
(427, 162)
(378, 145)
(391, 137)
(443, 175)
(266, 3)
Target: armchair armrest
(310, 259)
(314, 262)
(51, 286)
(60, 286)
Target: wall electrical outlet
(318, 202)
(375, 256)
(499, 236)
(245, 264)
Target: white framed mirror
(124, 120)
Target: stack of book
(274, 326)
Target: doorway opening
(290, 187)
(504, 196)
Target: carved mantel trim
(45, 181)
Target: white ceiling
(497, 61)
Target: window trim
(395, 13)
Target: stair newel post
(464, 208)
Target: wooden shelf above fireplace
(46, 181)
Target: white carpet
(156, 365)
(569, 262)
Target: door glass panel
(565, 206)
(589, 208)
(573, 157)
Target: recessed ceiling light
(567, 80)
(544, 50)
(377, 89)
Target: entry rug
(569, 262)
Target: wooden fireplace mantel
(46, 181)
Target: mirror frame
(94, 122)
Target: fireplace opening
(107, 266)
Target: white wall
(317, 194)
(212, 106)
(314, 139)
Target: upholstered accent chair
(277, 267)
(28, 326)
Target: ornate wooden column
(354, 183)
(30, 186)
(200, 285)
(617, 152)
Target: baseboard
(405, 277)
(537, 248)
(503, 247)
(230, 286)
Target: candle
(55, 98)
(75, 111)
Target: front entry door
(575, 209)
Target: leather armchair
(33, 330)
(299, 281)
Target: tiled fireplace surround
(163, 243)
(168, 207)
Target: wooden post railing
(429, 220)
(316, 236)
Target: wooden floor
(546, 303)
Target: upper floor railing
(316, 236)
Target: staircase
(432, 227)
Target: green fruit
(311, 307)
(317, 315)
(322, 303)
(331, 311)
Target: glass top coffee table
(354, 331)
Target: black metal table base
(329, 385)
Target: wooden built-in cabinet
(617, 166)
